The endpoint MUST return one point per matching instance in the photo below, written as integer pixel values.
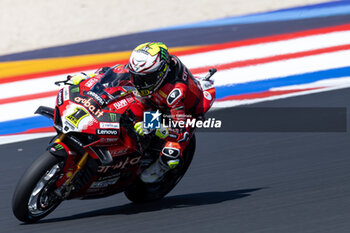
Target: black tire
(141, 192)
(29, 182)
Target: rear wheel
(34, 197)
(141, 192)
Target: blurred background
(33, 24)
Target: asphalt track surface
(238, 182)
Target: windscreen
(107, 85)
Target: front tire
(33, 198)
(141, 192)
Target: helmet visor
(145, 83)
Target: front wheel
(141, 192)
(34, 198)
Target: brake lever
(211, 73)
(65, 82)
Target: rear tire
(38, 176)
(141, 192)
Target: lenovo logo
(107, 132)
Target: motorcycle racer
(165, 84)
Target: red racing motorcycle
(96, 152)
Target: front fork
(64, 190)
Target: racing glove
(75, 79)
(138, 127)
(162, 132)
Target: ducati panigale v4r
(96, 152)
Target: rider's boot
(156, 171)
(169, 159)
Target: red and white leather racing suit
(180, 97)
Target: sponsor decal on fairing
(91, 82)
(104, 184)
(66, 93)
(130, 100)
(76, 118)
(109, 125)
(113, 117)
(87, 103)
(75, 90)
(60, 98)
(120, 164)
(207, 95)
(119, 152)
(96, 97)
(108, 141)
(112, 132)
(120, 104)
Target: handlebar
(211, 73)
(65, 82)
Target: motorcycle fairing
(59, 149)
